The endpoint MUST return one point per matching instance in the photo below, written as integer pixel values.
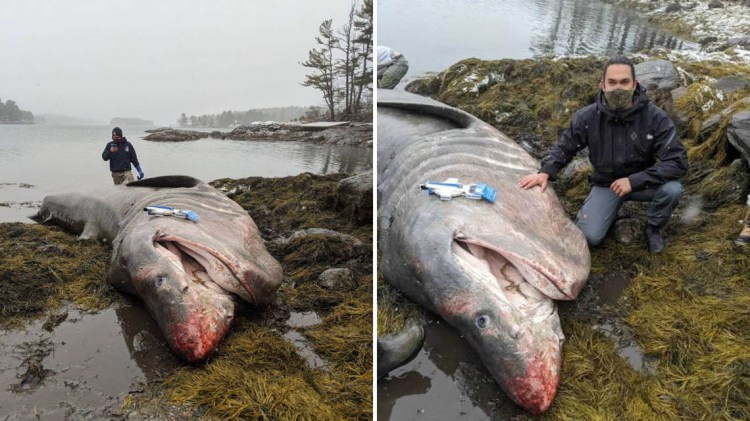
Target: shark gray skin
(189, 274)
(397, 349)
(490, 270)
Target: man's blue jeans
(599, 210)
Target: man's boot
(654, 239)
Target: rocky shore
(314, 341)
(349, 134)
(718, 25)
(651, 336)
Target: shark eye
(482, 321)
(160, 280)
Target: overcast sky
(156, 59)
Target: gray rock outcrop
(351, 134)
(731, 84)
(738, 132)
(743, 42)
(713, 122)
(354, 198)
(175, 135)
(656, 74)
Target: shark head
(191, 277)
(493, 272)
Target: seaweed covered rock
(175, 135)
(531, 101)
(335, 278)
(354, 197)
(738, 132)
(732, 83)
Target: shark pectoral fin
(396, 350)
(90, 232)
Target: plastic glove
(140, 172)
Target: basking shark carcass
(189, 274)
(492, 270)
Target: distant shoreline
(351, 134)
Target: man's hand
(621, 187)
(113, 149)
(140, 174)
(528, 181)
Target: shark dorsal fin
(167, 181)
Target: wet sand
(90, 363)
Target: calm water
(38, 160)
(433, 34)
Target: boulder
(630, 222)
(742, 42)
(707, 40)
(354, 198)
(580, 164)
(713, 122)
(715, 4)
(738, 132)
(672, 8)
(731, 84)
(628, 230)
(689, 6)
(656, 74)
(335, 278)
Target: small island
(332, 133)
(11, 114)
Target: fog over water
(154, 60)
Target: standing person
(635, 152)
(120, 153)
(392, 66)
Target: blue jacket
(640, 143)
(120, 160)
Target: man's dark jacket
(640, 143)
(120, 160)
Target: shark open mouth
(204, 265)
(520, 280)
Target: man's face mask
(619, 99)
